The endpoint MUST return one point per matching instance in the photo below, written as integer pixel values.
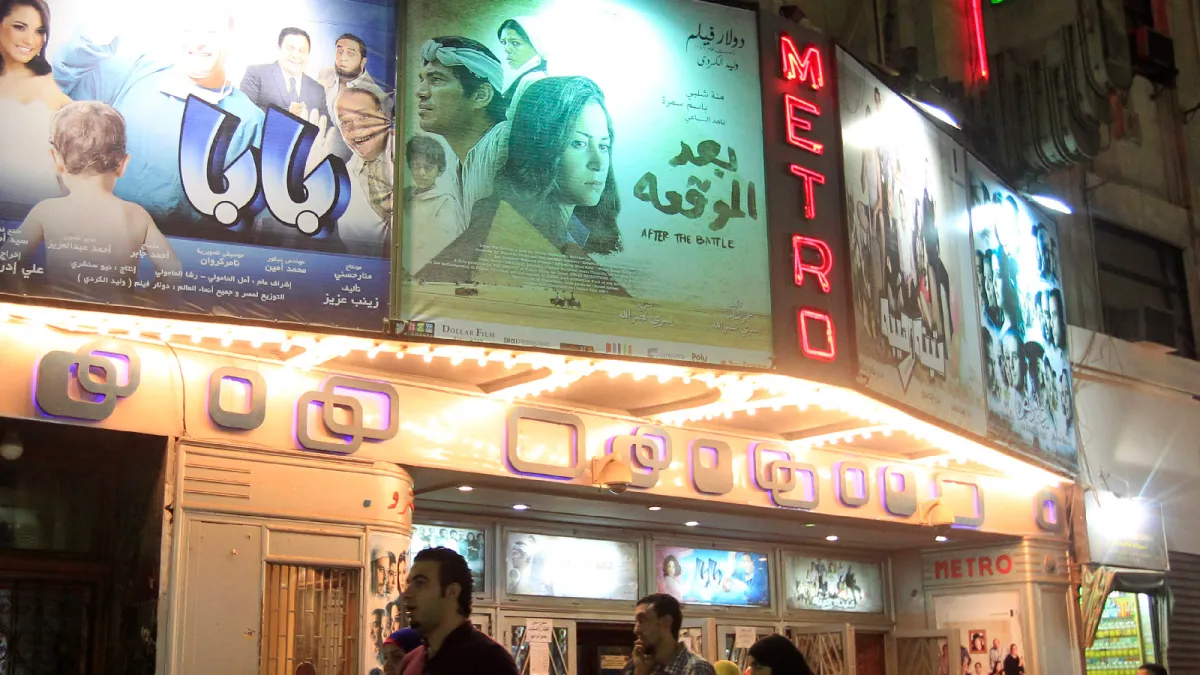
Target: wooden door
(869, 653)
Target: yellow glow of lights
(739, 393)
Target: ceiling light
(691, 523)
(1052, 203)
(810, 524)
(11, 447)
(465, 488)
(655, 508)
(520, 507)
(832, 537)
(941, 539)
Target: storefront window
(310, 620)
(1125, 636)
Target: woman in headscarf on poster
(556, 200)
(29, 97)
(522, 56)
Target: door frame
(849, 655)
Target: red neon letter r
(821, 270)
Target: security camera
(936, 514)
(612, 473)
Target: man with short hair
(283, 83)
(995, 657)
(657, 649)
(459, 97)
(438, 600)
(366, 226)
(1151, 669)
(349, 71)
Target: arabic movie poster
(586, 175)
(216, 158)
(570, 567)
(827, 585)
(710, 577)
(1030, 398)
(468, 542)
(384, 608)
(914, 294)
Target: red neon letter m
(804, 67)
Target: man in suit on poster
(283, 83)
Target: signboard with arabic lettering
(579, 207)
(199, 157)
(912, 261)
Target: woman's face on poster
(517, 50)
(583, 169)
(22, 34)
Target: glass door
(484, 621)
(734, 641)
(540, 645)
(829, 648)
(697, 636)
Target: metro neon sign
(800, 68)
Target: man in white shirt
(349, 71)
(459, 98)
(366, 226)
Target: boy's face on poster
(517, 50)
(442, 103)
(583, 169)
(348, 59)
(22, 34)
(293, 55)
(363, 124)
(203, 48)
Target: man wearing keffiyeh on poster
(459, 97)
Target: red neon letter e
(796, 124)
(821, 271)
(827, 354)
(806, 68)
(810, 179)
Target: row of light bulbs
(744, 393)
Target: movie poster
(990, 626)
(215, 158)
(586, 175)
(709, 577)
(827, 585)
(467, 542)
(914, 292)
(1028, 366)
(570, 567)
(384, 608)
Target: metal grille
(44, 627)
(310, 624)
(1183, 645)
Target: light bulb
(11, 447)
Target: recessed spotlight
(762, 559)
(465, 488)
(832, 537)
(655, 508)
(520, 507)
(941, 539)
(810, 524)
(691, 523)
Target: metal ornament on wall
(716, 479)
(94, 366)
(512, 443)
(781, 476)
(349, 435)
(256, 387)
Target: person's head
(401, 570)
(396, 646)
(746, 563)
(24, 31)
(1012, 649)
(391, 572)
(363, 123)
(1064, 391)
(518, 48)
(671, 566)
(380, 569)
(1151, 669)
(978, 667)
(205, 43)
(1054, 309)
(460, 86)
(726, 668)
(1010, 358)
(349, 56)
(439, 589)
(87, 138)
(560, 153)
(656, 622)
(521, 553)
(878, 98)
(396, 611)
(777, 655)
(294, 47)
(376, 627)
(996, 643)
(996, 279)
(386, 623)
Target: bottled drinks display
(1117, 649)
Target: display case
(1125, 636)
